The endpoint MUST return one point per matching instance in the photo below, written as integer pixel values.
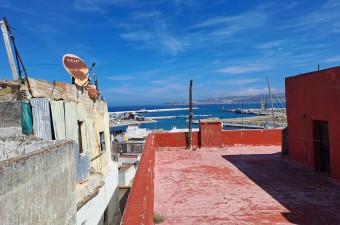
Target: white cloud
(332, 59)
(242, 69)
(241, 82)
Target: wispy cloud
(241, 82)
(333, 59)
(243, 69)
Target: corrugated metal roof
(58, 119)
(41, 118)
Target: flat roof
(241, 185)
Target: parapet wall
(39, 187)
(140, 205)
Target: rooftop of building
(230, 177)
(240, 185)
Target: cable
(42, 46)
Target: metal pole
(242, 116)
(190, 115)
(271, 102)
(9, 50)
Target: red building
(313, 115)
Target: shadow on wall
(311, 198)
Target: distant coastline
(233, 100)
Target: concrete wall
(10, 114)
(38, 188)
(15, 148)
(310, 97)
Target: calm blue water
(167, 124)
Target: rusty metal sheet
(77, 68)
(42, 126)
(58, 119)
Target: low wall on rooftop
(39, 187)
(140, 204)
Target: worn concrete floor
(241, 185)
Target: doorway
(322, 160)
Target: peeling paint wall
(38, 188)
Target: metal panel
(41, 118)
(71, 121)
(58, 119)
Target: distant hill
(234, 100)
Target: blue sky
(147, 51)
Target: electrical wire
(37, 43)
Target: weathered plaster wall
(313, 96)
(70, 105)
(10, 114)
(38, 188)
(14, 148)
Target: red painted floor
(241, 185)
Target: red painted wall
(313, 96)
(252, 137)
(210, 134)
(140, 203)
(174, 139)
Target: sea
(203, 111)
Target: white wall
(92, 212)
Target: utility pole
(9, 50)
(190, 117)
(271, 102)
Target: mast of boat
(271, 102)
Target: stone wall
(39, 187)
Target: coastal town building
(313, 101)
(55, 158)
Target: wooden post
(190, 117)
(271, 102)
(9, 50)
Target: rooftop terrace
(241, 185)
(233, 177)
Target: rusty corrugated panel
(41, 118)
(58, 119)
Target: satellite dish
(77, 68)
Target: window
(102, 141)
(80, 138)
